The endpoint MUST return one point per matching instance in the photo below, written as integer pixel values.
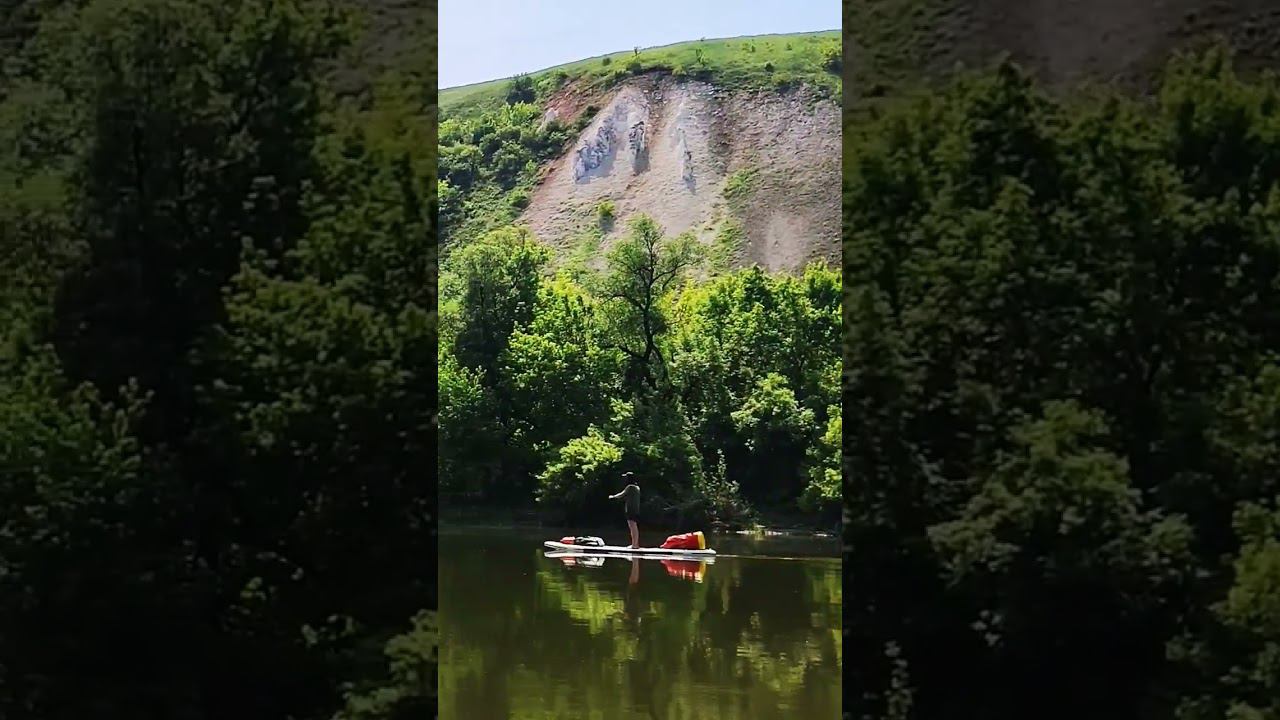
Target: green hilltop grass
(749, 62)
(907, 47)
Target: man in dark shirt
(631, 493)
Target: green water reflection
(526, 637)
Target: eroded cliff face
(697, 158)
(616, 136)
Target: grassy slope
(733, 62)
(395, 36)
(900, 46)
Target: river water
(754, 635)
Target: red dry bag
(687, 541)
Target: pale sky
(491, 39)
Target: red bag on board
(686, 541)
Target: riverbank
(770, 522)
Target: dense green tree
(736, 331)
(715, 394)
(1057, 531)
(644, 270)
(577, 479)
(823, 490)
(324, 380)
(320, 395)
(82, 540)
(490, 291)
(554, 380)
(469, 467)
(775, 429)
(1236, 654)
(520, 90)
(242, 267)
(559, 375)
(411, 690)
(369, 208)
(199, 121)
(488, 160)
(1061, 333)
(38, 245)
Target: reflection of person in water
(631, 603)
(648, 680)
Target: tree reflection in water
(736, 639)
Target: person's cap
(628, 474)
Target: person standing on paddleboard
(631, 493)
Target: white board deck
(709, 559)
(623, 549)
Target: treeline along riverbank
(1062, 461)
(720, 395)
(640, 351)
(217, 352)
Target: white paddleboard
(637, 555)
(623, 549)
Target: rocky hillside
(758, 167)
(736, 141)
(897, 43)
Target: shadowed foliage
(217, 348)
(1060, 357)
